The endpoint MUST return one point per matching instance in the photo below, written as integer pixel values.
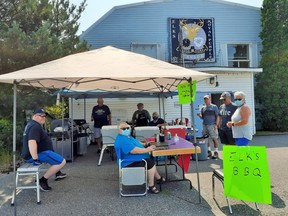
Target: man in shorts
(101, 115)
(209, 114)
(226, 110)
(38, 148)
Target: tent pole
(181, 114)
(163, 107)
(159, 101)
(14, 141)
(195, 141)
(85, 107)
(72, 126)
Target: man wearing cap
(38, 148)
(141, 117)
(226, 110)
(209, 114)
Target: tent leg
(14, 141)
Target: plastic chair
(109, 133)
(132, 180)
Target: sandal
(161, 180)
(153, 190)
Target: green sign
(184, 92)
(246, 173)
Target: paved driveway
(93, 190)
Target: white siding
(122, 109)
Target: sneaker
(60, 175)
(215, 155)
(44, 186)
(209, 154)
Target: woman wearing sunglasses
(132, 149)
(240, 121)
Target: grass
(5, 160)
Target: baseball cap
(39, 111)
(206, 96)
(224, 95)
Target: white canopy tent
(105, 69)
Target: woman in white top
(240, 121)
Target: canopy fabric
(107, 69)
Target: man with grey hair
(209, 114)
(226, 110)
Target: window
(238, 55)
(153, 50)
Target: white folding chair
(109, 133)
(141, 133)
(27, 169)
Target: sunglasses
(42, 116)
(239, 99)
(127, 128)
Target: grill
(61, 135)
(82, 135)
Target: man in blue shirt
(101, 115)
(209, 114)
(128, 148)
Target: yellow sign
(246, 173)
(184, 92)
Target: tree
(37, 31)
(33, 32)
(272, 87)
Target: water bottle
(168, 135)
(156, 137)
(176, 138)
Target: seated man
(132, 149)
(38, 148)
(159, 122)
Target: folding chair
(132, 180)
(109, 133)
(27, 169)
(141, 133)
(219, 174)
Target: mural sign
(192, 40)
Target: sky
(95, 9)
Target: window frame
(239, 61)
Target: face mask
(238, 103)
(155, 117)
(126, 132)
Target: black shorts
(226, 137)
(150, 163)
